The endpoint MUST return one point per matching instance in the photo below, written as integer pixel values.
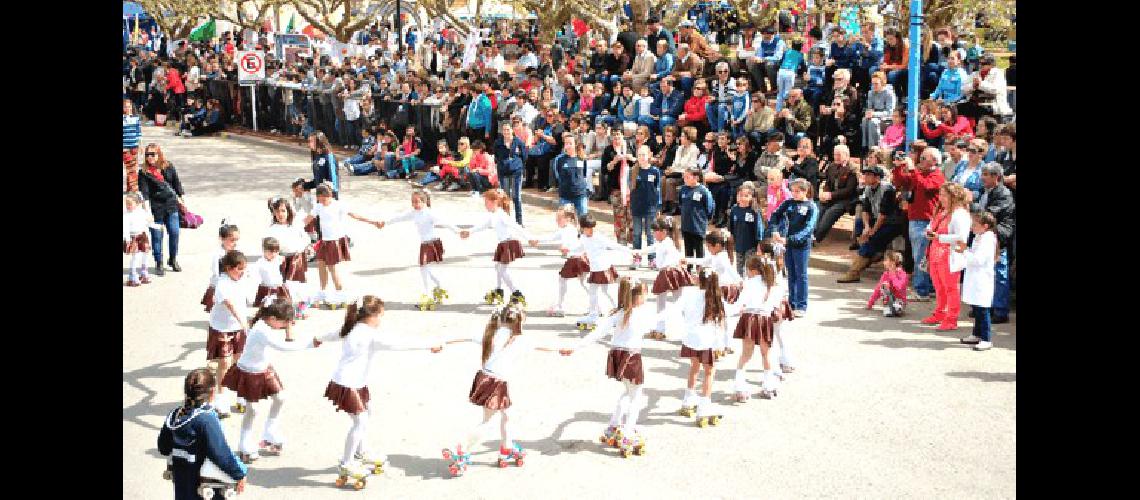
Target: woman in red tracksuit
(950, 225)
(177, 91)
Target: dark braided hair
(197, 388)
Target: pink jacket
(894, 136)
(776, 196)
(896, 280)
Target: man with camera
(922, 183)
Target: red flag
(579, 26)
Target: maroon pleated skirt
(731, 292)
(334, 251)
(208, 298)
(575, 267)
(754, 328)
(431, 251)
(624, 365)
(603, 277)
(508, 251)
(264, 291)
(138, 243)
(672, 278)
(489, 392)
(704, 356)
(252, 386)
(352, 401)
(294, 266)
(224, 344)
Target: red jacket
(695, 109)
(174, 81)
(925, 187)
(961, 128)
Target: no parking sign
(251, 66)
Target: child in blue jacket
(644, 202)
(814, 78)
(746, 223)
(741, 106)
(192, 435)
(795, 218)
(696, 207)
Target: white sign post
(251, 70)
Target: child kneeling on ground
(891, 287)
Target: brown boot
(857, 266)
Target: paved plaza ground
(878, 407)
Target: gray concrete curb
(825, 263)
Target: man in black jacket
(882, 221)
(655, 31)
(997, 200)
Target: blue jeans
(686, 84)
(171, 222)
(785, 80)
(879, 241)
(796, 261)
(512, 185)
(982, 322)
(718, 115)
(918, 242)
(579, 204)
(1001, 286)
(641, 224)
(361, 168)
(429, 178)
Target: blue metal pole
(914, 72)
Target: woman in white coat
(991, 94)
(950, 225)
(978, 287)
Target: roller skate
(518, 298)
(301, 311)
(705, 417)
(459, 460)
(427, 303)
(249, 458)
(742, 393)
(588, 322)
(506, 455)
(688, 404)
(352, 471)
(771, 386)
(632, 443)
(636, 262)
(652, 263)
(270, 447)
(214, 479)
(611, 436)
(494, 297)
(555, 312)
(373, 464)
(239, 406)
(168, 473)
(439, 294)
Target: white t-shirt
(642, 320)
(756, 298)
(135, 222)
(698, 334)
(504, 359)
(237, 292)
(666, 252)
(425, 223)
(292, 238)
(215, 264)
(566, 237)
(504, 225)
(726, 272)
(269, 271)
(361, 344)
(333, 219)
(259, 343)
(599, 250)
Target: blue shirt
(646, 195)
(816, 74)
(792, 60)
(570, 172)
(795, 220)
(663, 66)
(950, 85)
(746, 226)
(845, 56)
(697, 206)
(132, 131)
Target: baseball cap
(872, 169)
(685, 24)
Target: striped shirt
(132, 131)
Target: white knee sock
(475, 435)
(429, 278)
(637, 401)
(504, 278)
(595, 307)
(246, 443)
(561, 293)
(273, 432)
(781, 335)
(504, 430)
(606, 290)
(356, 436)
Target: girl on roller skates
(783, 316)
(671, 277)
(192, 435)
(253, 377)
(333, 249)
(347, 390)
(294, 244)
(703, 314)
(602, 273)
(227, 327)
(228, 236)
(628, 323)
(719, 258)
(756, 307)
(267, 270)
(576, 265)
(499, 205)
(503, 343)
(431, 248)
(136, 242)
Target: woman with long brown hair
(159, 185)
(949, 225)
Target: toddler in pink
(891, 287)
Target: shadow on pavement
(291, 477)
(146, 406)
(985, 376)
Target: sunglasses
(152, 154)
(975, 150)
(722, 72)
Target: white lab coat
(978, 287)
(994, 83)
(957, 230)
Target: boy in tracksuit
(570, 173)
(644, 202)
(814, 78)
(696, 207)
(792, 224)
(191, 435)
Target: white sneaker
(984, 345)
(970, 340)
